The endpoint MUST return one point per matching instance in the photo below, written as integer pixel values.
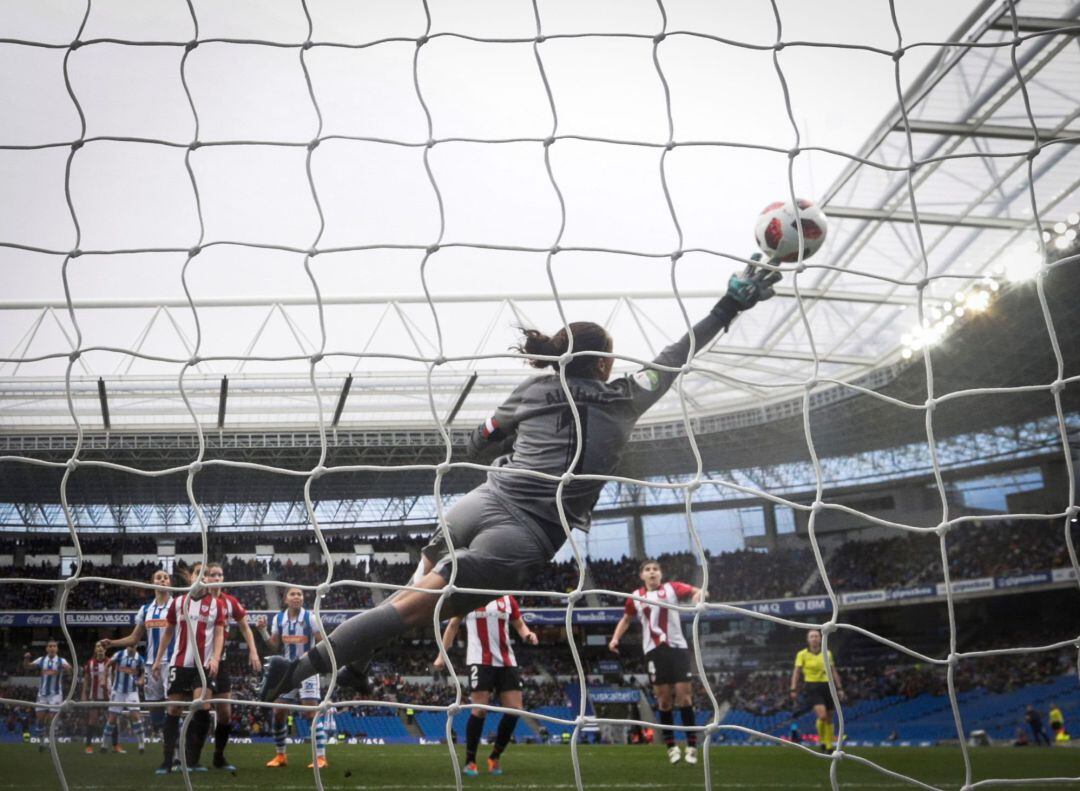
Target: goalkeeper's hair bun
(588, 337)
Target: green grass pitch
(537, 767)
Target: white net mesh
(431, 355)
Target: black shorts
(222, 682)
(667, 665)
(488, 678)
(185, 680)
(817, 692)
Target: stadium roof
(993, 153)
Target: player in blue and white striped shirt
(150, 624)
(52, 667)
(296, 632)
(129, 673)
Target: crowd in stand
(979, 549)
(974, 550)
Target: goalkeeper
(508, 528)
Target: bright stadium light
(1024, 263)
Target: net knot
(316, 358)
(193, 360)
(897, 54)
(953, 658)
(442, 468)
(307, 44)
(76, 145)
(942, 529)
(930, 404)
(75, 44)
(548, 140)
(74, 357)
(194, 145)
(71, 464)
(793, 152)
(313, 144)
(75, 253)
(421, 41)
(194, 251)
(1072, 512)
(195, 467)
(669, 145)
(540, 39)
(191, 45)
(1057, 386)
(921, 284)
(574, 596)
(318, 472)
(827, 628)
(555, 249)
(1034, 152)
(453, 710)
(817, 507)
(70, 582)
(779, 46)
(659, 37)
(432, 249)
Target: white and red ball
(777, 230)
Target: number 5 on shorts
(172, 675)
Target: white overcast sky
(130, 195)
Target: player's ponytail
(588, 337)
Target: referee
(811, 662)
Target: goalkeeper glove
(753, 285)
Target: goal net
(219, 218)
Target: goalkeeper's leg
(499, 553)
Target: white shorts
(131, 698)
(157, 688)
(54, 699)
(309, 690)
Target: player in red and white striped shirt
(492, 668)
(234, 614)
(197, 619)
(95, 687)
(666, 653)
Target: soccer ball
(777, 231)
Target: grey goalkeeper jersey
(537, 419)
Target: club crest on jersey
(647, 379)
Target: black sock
(474, 729)
(116, 733)
(91, 733)
(196, 735)
(353, 641)
(667, 719)
(502, 736)
(686, 713)
(170, 735)
(221, 738)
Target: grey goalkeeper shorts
(495, 548)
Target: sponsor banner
(608, 666)
(1038, 578)
(611, 695)
(860, 597)
(606, 616)
(912, 593)
(1063, 575)
(967, 586)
